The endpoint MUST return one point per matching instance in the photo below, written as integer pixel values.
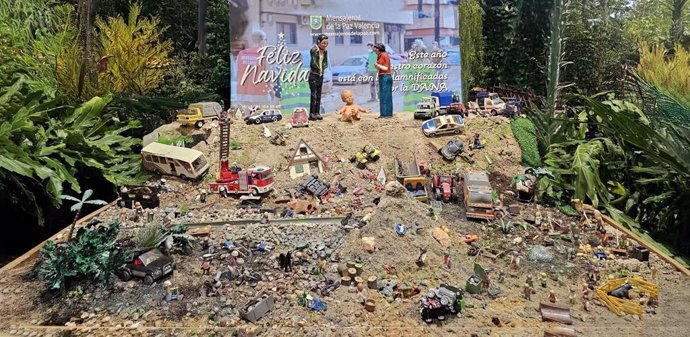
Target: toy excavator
(368, 153)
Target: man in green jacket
(373, 73)
(317, 66)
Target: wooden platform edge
(34, 251)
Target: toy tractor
(368, 153)
(446, 187)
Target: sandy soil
(131, 309)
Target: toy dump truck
(434, 105)
(478, 195)
(410, 176)
(199, 113)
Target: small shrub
(150, 236)
(91, 255)
(235, 145)
(525, 134)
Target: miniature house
(304, 161)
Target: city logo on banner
(315, 22)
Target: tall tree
(471, 43)
(677, 24)
(78, 205)
(201, 26)
(86, 12)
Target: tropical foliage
(524, 132)
(668, 70)
(92, 255)
(77, 207)
(471, 43)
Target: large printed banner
(270, 69)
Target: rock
(395, 189)
(441, 236)
(369, 244)
(540, 254)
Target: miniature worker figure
(515, 261)
(571, 298)
(587, 306)
(446, 259)
(322, 264)
(202, 195)
(233, 258)
(362, 293)
(421, 259)
(542, 280)
(527, 292)
(138, 211)
(477, 142)
(654, 272)
(149, 215)
(206, 266)
(537, 217)
(585, 292)
(529, 280)
(350, 112)
(123, 214)
(552, 296)
(264, 218)
(235, 167)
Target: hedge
(525, 133)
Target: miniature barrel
(370, 305)
(359, 279)
(359, 267)
(350, 264)
(346, 280)
(372, 282)
(352, 272)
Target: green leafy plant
(163, 139)
(525, 134)
(150, 236)
(78, 204)
(235, 145)
(92, 255)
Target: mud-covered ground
(133, 309)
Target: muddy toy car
(452, 149)
(151, 266)
(441, 302)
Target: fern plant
(150, 236)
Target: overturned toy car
(441, 302)
(452, 149)
(151, 266)
(368, 153)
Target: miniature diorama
(350, 112)
(529, 204)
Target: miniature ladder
(224, 123)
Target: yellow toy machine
(368, 153)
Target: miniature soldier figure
(527, 292)
(529, 280)
(552, 297)
(163, 186)
(446, 259)
(542, 280)
(202, 195)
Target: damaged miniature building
(305, 161)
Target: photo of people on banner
(291, 55)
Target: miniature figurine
(622, 292)
(350, 112)
(552, 297)
(362, 293)
(149, 215)
(501, 276)
(585, 291)
(233, 258)
(477, 143)
(138, 211)
(202, 195)
(206, 266)
(322, 264)
(163, 186)
(571, 298)
(446, 259)
(264, 218)
(538, 217)
(529, 280)
(527, 292)
(515, 260)
(654, 272)
(592, 272)
(123, 214)
(542, 280)
(421, 259)
(587, 306)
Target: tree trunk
(677, 29)
(86, 10)
(201, 26)
(71, 228)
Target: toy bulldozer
(278, 139)
(368, 153)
